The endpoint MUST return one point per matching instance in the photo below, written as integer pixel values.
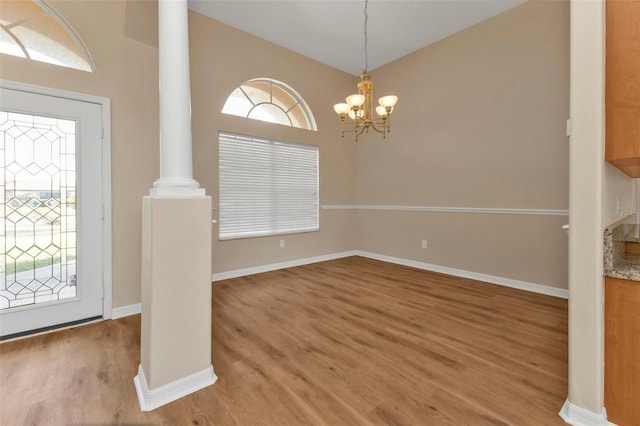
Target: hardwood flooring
(346, 342)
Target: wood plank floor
(346, 342)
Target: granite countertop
(617, 262)
(627, 267)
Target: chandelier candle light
(359, 107)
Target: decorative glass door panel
(38, 190)
(50, 212)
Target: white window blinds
(267, 187)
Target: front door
(51, 211)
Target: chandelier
(356, 115)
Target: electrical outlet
(424, 244)
(281, 243)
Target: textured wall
(120, 38)
(481, 123)
(221, 59)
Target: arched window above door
(270, 100)
(33, 30)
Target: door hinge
(103, 212)
(569, 128)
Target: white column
(175, 333)
(176, 167)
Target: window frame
(80, 60)
(293, 95)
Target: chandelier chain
(366, 38)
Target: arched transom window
(270, 100)
(32, 30)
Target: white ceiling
(331, 31)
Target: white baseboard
(507, 282)
(577, 416)
(275, 266)
(150, 399)
(125, 311)
(493, 279)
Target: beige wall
(221, 59)
(586, 283)
(175, 339)
(481, 122)
(122, 40)
(586, 308)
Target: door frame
(105, 104)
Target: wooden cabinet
(622, 351)
(622, 94)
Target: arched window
(270, 100)
(32, 30)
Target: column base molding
(578, 416)
(176, 192)
(176, 188)
(150, 399)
